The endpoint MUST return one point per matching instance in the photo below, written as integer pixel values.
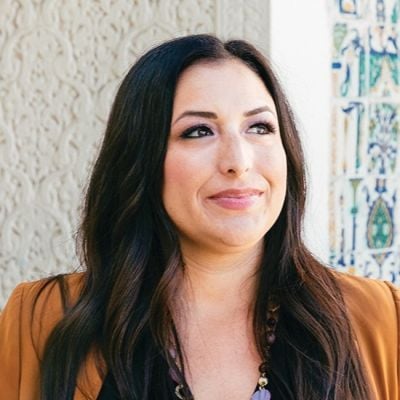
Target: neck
(220, 282)
(215, 313)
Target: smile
(236, 199)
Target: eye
(262, 128)
(195, 132)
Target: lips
(236, 199)
(237, 193)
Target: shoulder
(373, 308)
(29, 316)
(51, 289)
(372, 298)
(37, 306)
(45, 293)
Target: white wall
(300, 50)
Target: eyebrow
(211, 115)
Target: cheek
(176, 169)
(274, 166)
(180, 171)
(282, 167)
(172, 179)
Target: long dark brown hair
(133, 262)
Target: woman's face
(225, 167)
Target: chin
(242, 239)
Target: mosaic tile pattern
(365, 184)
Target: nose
(235, 156)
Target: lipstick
(236, 199)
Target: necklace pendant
(261, 394)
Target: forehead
(210, 82)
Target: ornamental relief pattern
(60, 66)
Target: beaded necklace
(182, 390)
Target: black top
(109, 390)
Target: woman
(197, 282)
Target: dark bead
(263, 368)
(271, 322)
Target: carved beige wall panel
(60, 65)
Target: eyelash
(192, 129)
(270, 128)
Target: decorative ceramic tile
(345, 228)
(350, 124)
(349, 60)
(351, 8)
(378, 265)
(363, 234)
(378, 202)
(385, 11)
(383, 140)
(383, 60)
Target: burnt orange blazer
(373, 306)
